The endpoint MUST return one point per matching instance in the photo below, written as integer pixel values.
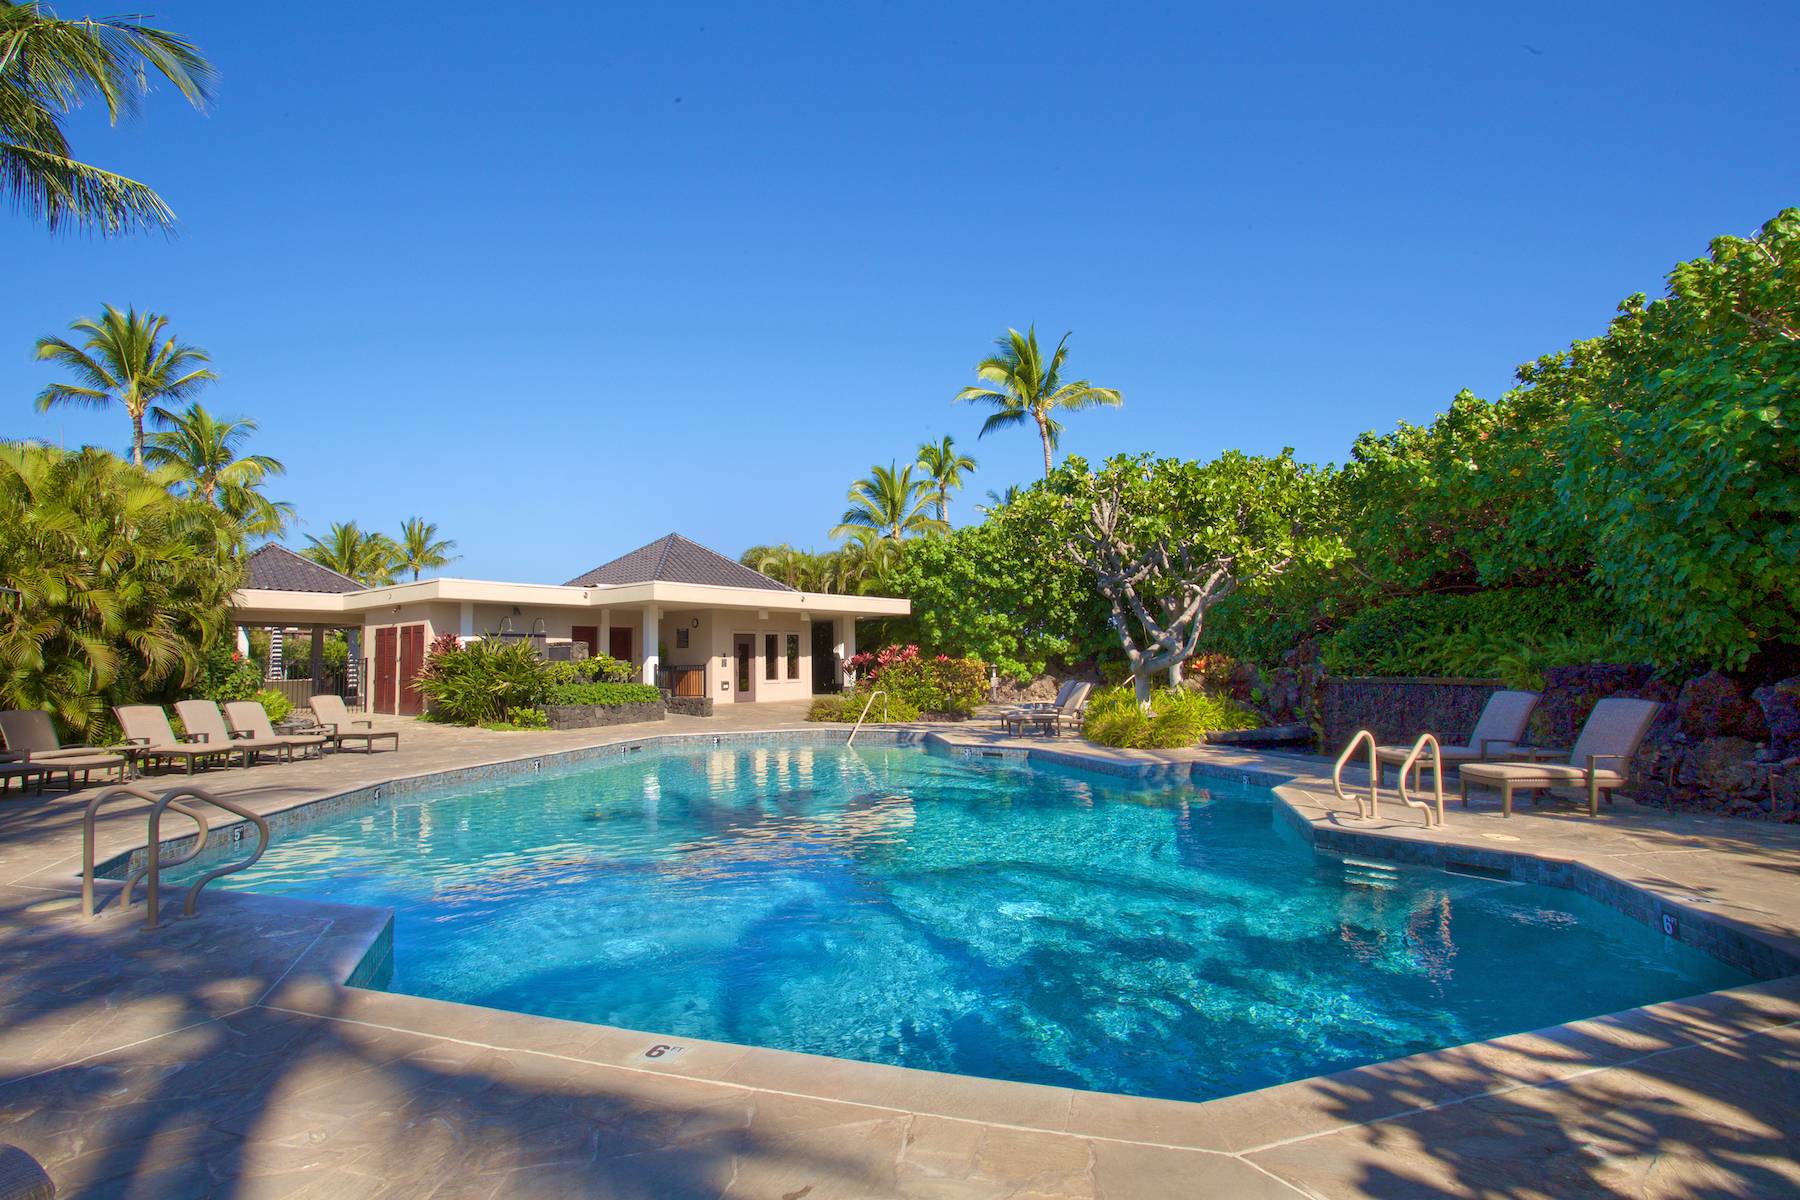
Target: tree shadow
(146, 1064)
(1709, 1108)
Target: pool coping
(326, 980)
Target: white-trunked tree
(1166, 539)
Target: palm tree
(200, 453)
(945, 467)
(889, 504)
(370, 558)
(48, 68)
(1022, 387)
(998, 500)
(126, 360)
(420, 547)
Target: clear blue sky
(565, 277)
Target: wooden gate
(412, 661)
(384, 669)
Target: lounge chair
(1598, 763)
(151, 737)
(204, 719)
(1499, 729)
(251, 720)
(14, 766)
(334, 719)
(29, 733)
(1070, 702)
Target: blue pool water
(1035, 924)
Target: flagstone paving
(221, 1055)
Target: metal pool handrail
(151, 871)
(193, 895)
(882, 692)
(1437, 777)
(1337, 774)
(151, 859)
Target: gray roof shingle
(278, 569)
(675, 559)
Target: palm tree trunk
(1043, 436)
(137, 438)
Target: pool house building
(688, 618)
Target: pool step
(1370, 873)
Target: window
(681, 639)
(793, 655)
(770, 655)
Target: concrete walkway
(221, 1056)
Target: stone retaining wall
(593, 716)
(1396, 710)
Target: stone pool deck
(223, 1055)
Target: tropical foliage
(602, 693)
(931, 683)
(200, 452)
(420, 548)
(850, 704)
(945, 467)
(504, 684)
(1176, 716)
(481, 682)
(128, 360)
(890, 503)
(121, 584)
(1022, 387)
(48, 68)
(367, 557)
(1635, 498)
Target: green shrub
(274, 703)
(1178, 717)
(600, 668)
(847, 706)
(227, 675)
(600, 693)
(1507, 633)
(936, 683)
(521, 718)
(481, 683)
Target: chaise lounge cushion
(1540, 775)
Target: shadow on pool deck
(1718, 1119)
(192, 1085)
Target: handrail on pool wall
(151, 871)
(867, 704)
(88, 816)
(1371, 809)
(1337, 774)
(1437, 778)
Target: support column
(242, 640)
(845, 649)
(275, 667)
(604, 633)
(318, 658)
(650, 635)
(466, 628)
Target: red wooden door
(412, 661)
(589, 634)
(384, 669)
(621, 644)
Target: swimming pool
(1033, 923)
